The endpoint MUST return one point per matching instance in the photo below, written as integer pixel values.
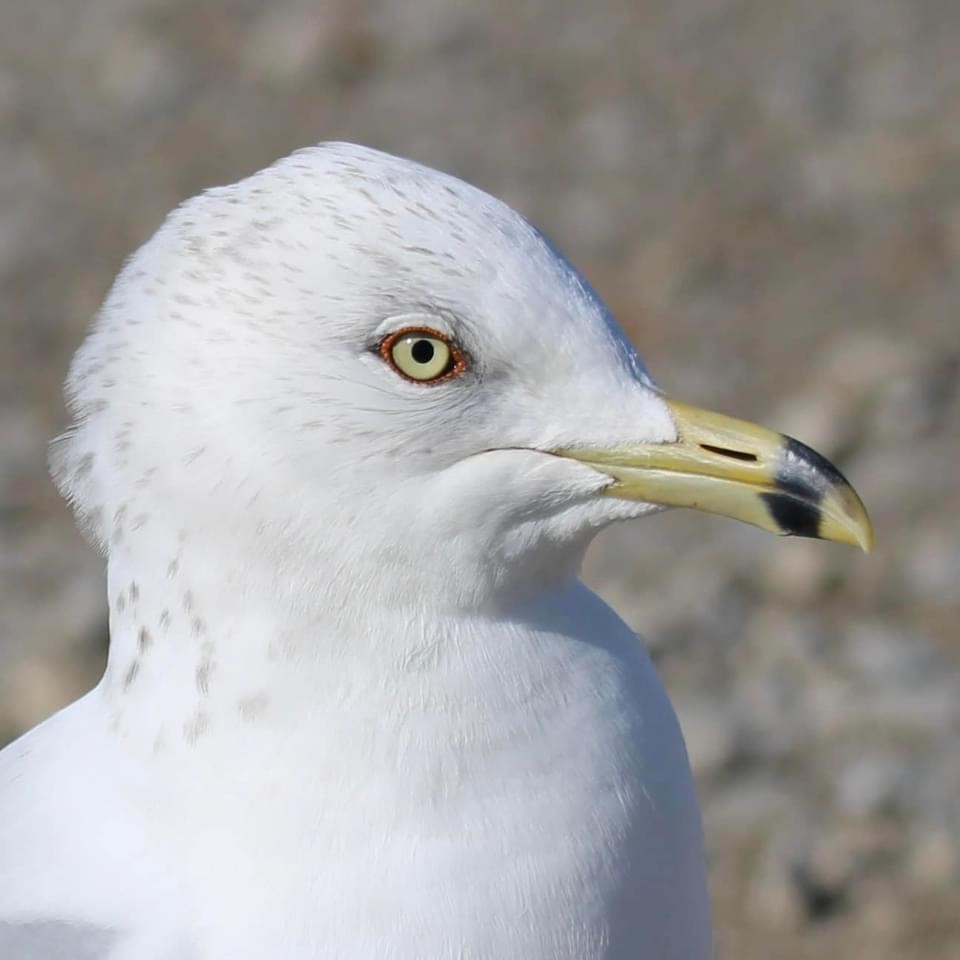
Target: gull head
(376, 379)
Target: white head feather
(232, 383)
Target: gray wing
(55, 940)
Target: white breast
(528, 798)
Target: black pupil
(422, 351)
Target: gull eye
(423, 355)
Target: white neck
(201, 643)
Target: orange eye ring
(423, 355)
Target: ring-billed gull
(344, 431)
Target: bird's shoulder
(69, 853)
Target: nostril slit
(732, 454)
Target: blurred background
(766, 193)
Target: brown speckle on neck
(196, 727)
(253, 706)
(127, 682)
(204, 669)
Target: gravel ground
(768, 196)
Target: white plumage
(357, 704)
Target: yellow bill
(740, 470)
